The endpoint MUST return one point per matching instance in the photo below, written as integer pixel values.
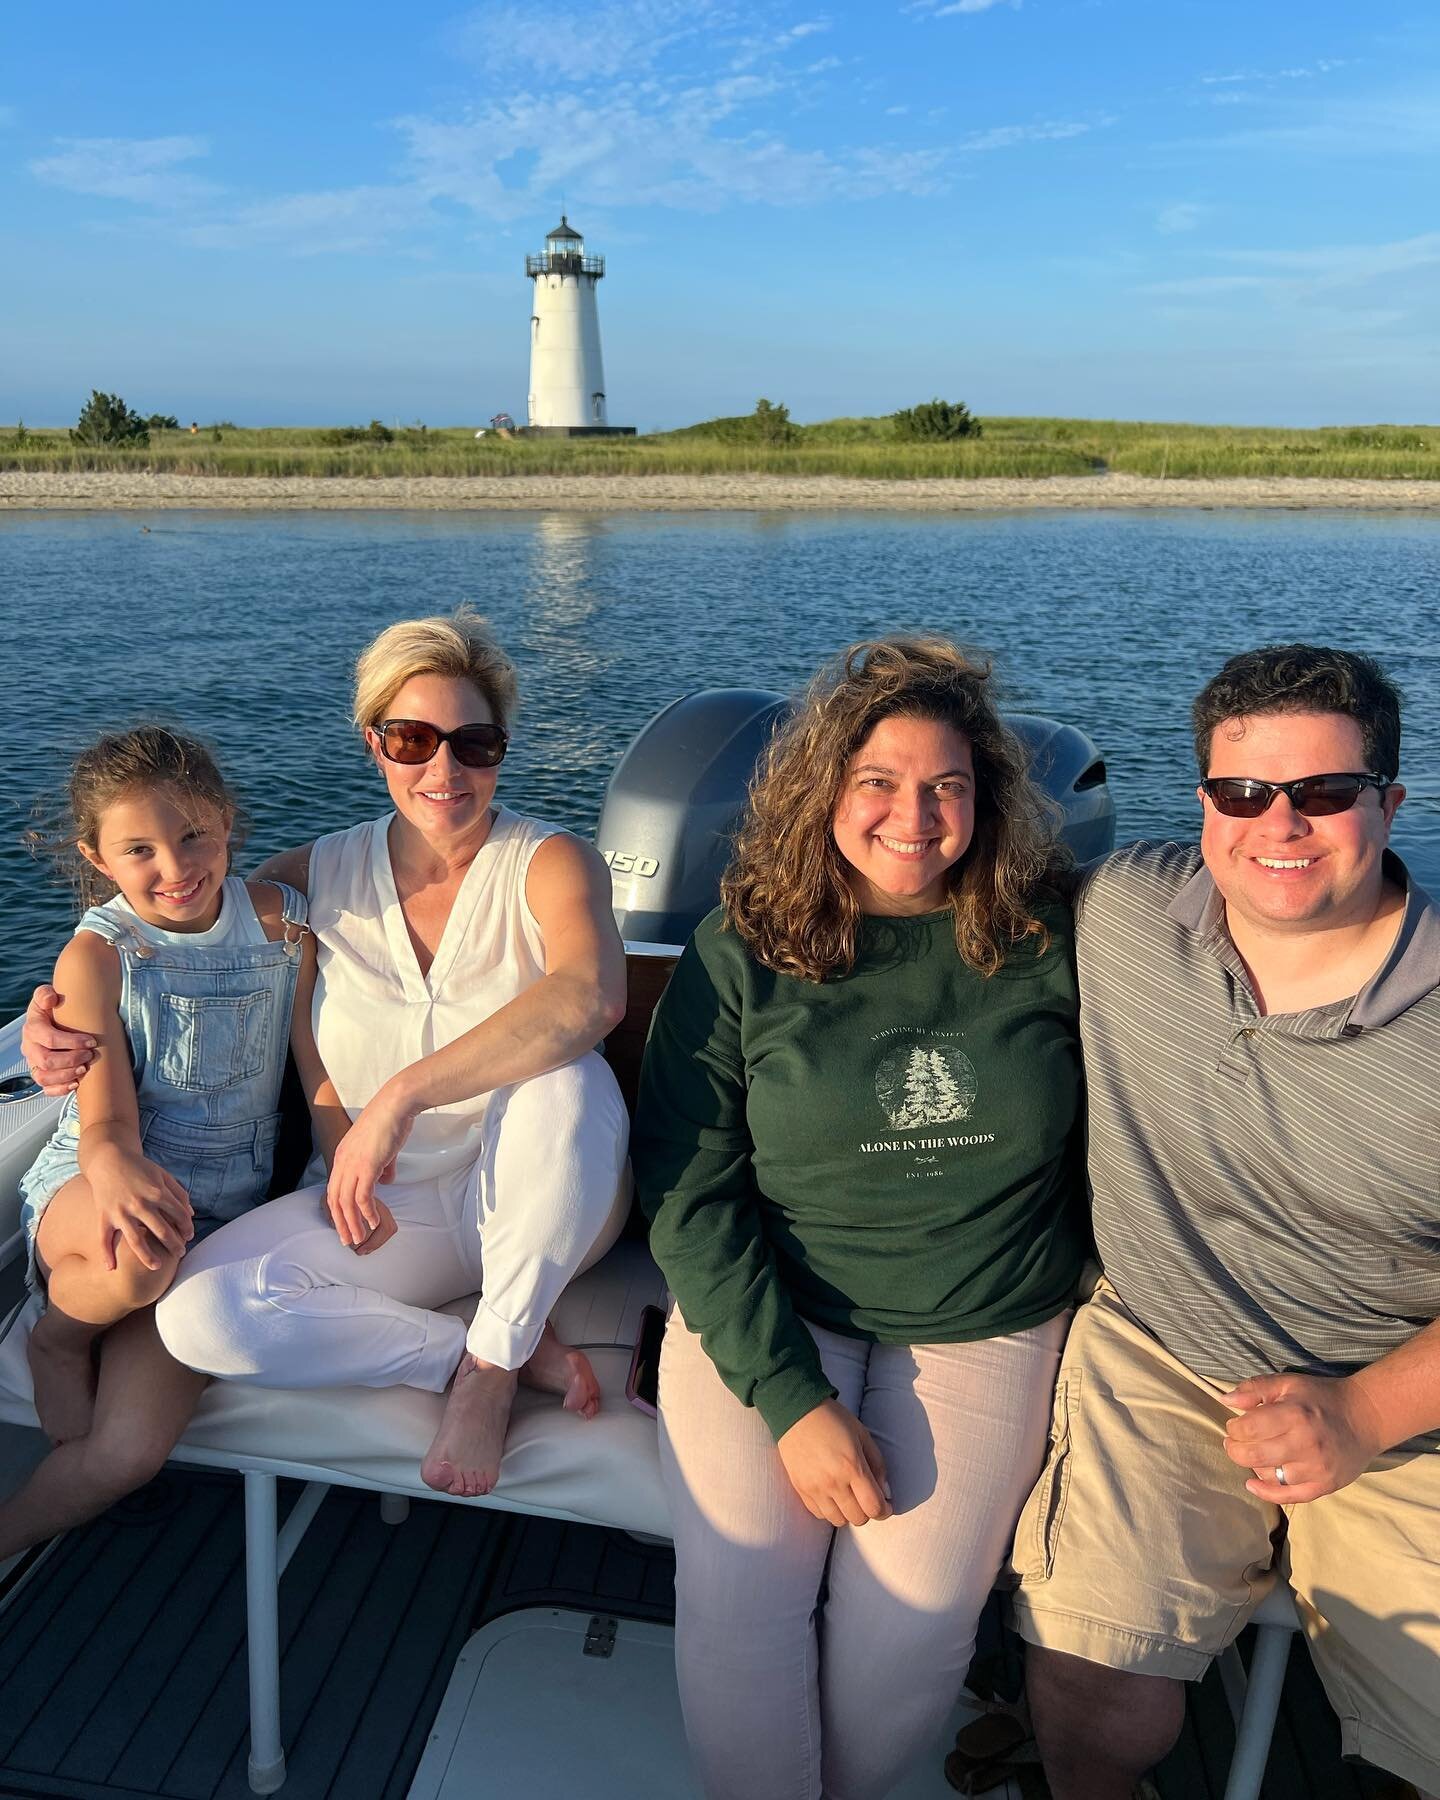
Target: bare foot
(557, 1369)
(62, 1370)
(465, 1456)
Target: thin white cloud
(949, 9)
(1380, 124)
(1005, 137)
(1322, 65)
(1198, 287)
(687, 149)
(1334, 276)
(1345, 264)
(1180, 215)
(332, 223)
(581, 43)
(747, 48)
(145, 171)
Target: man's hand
(1319, 1429)
(57, 1057)
(366, 1155)
(834, 1466)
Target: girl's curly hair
(787, 891)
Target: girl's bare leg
(143, 1402)
(85, 1298)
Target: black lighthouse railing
(564, 262)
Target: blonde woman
(467, 966)
(856, 1141)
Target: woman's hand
(135, 1199)
(364, 1157)
(57, 1057)
(834, 1466)
(357, 1233)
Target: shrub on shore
(106, 419)
(936, 419)
(769, 424)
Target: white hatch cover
(549, 1704)
(544, 1702)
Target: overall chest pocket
(212, 1041)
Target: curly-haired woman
(856, 1142)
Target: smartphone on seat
(642, 1384)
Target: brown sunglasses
(415, 741)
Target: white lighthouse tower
(567, 377)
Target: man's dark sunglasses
(1314, 796)
(413, 741)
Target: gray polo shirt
(1266, 1189)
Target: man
(1261, 1021)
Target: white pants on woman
(276, 1299)
(816, 1664)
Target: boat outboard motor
(1065, 764)
(672, 805)
(676, 795)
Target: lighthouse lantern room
(567, 376)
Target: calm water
(245, 627)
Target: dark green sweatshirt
(890, 1153)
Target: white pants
(815, 1663)
(276, 1299)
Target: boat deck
(122, 1661)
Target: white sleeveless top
(375, 1013)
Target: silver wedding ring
(1281, 1479)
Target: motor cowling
(677, 793)
(1066, 765)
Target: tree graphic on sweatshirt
(925, 1085)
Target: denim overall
(208, 1030)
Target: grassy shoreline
(1020, 449)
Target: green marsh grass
(860, 448)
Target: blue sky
(317, 213)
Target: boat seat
(602, 1471)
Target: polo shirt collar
(1409, 972)
(1412, 969)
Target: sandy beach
(22, 490)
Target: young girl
(185, 980)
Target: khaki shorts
(1140, 1548)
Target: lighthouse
(567, 376)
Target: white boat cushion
(603, 1471)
